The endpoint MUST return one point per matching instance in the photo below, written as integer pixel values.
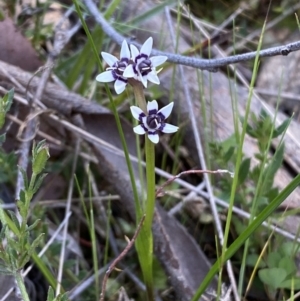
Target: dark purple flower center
(119, 67)
(145, 65)
(153, 121)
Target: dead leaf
(15, 49)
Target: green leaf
(50, 296)
(13, 247)
(7, 100)
(45, 271)
(228, 155)
(14, 219)
(64, 297)
(38, 182)
(244, 170)
(2, 233)
(40, 155)
(262, 201)
(251, 131)
(13, 257)
(2, 138)
(31, 227)
(273, 259)
(234, 247)
(4, 270)
(281, 128)
(289, 248)
(291, 283)
(288, 264)
(276, 162)
(21, 206)
(272, 168)
(37, 260)
(27, 255)
(3, 254)
(5, 104)
(35, 243)
(263, 114)
(22, 260)
(273, 277)
(252, 260)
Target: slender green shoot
(235, 246)
(240, 153)
(116, 115)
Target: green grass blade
(111, 8)
(233, 248)
(145, 16)
(117, 118)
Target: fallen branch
(204, 64)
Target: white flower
(143, 67)
(154, 121)
(116, 68)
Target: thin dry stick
(204, 64)
(94, 139)
(245, 82)
(67, 211)
(256, 33)
(120, 257)
(29, 134)
(101, 207)
(61, 38)
(202, 161)
(159, 191)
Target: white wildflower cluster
(132, 64)
(139, 66)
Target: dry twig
(120, 257)
(204, 64)
(159, 191)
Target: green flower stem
(145, 239)
(150, 206)
(150, 172)
(139, 95)
(21, 285)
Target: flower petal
(145, 125)
(147, 46)
(129, 72)
(139, 130)
(169, 128)
(105, 77)
(109, 59)
(125, 52)
(120, 86)
(166, 111)
(143, 79)
(158, 60)
(152, 77)
(134, 52)
(152, 107)
(153, 137)
(136, 112)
